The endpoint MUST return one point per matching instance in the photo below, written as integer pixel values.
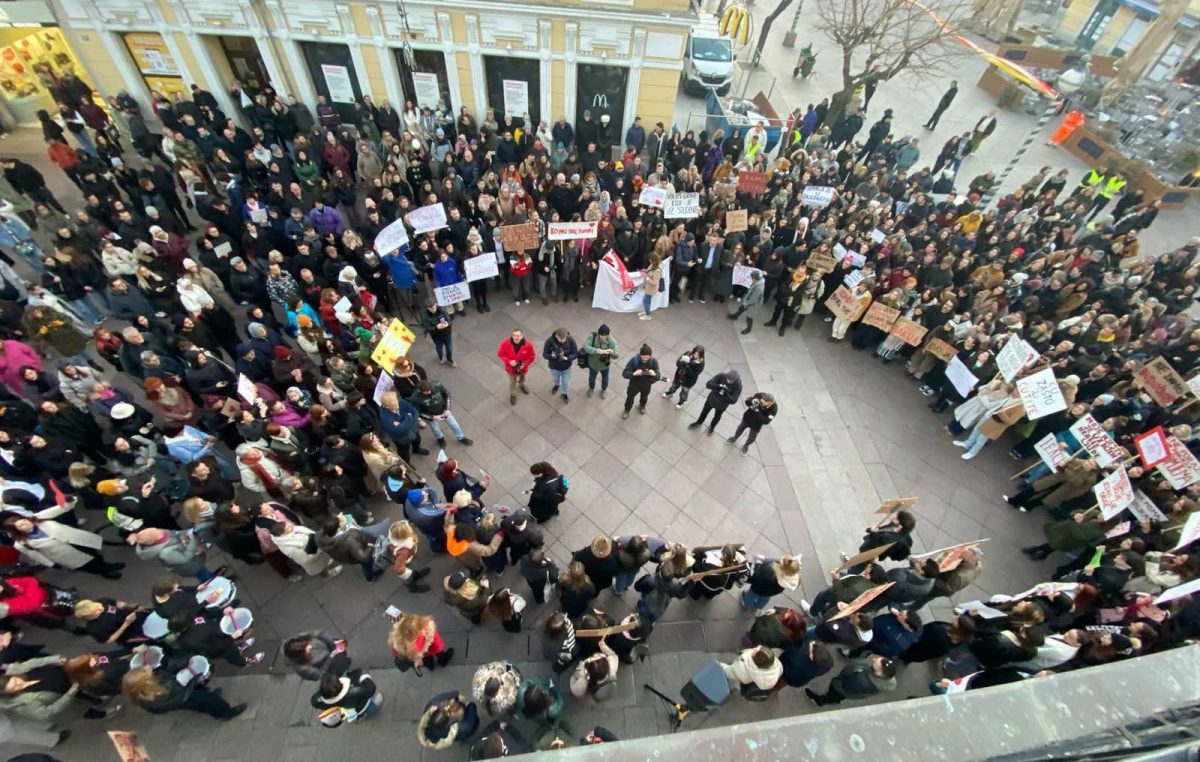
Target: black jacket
(757, 415)
(560, 354)
(647, 379)
(721, 393)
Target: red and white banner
(570, 231)
(1113, 493)
(614, 295)
(1153, 447)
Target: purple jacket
(327, 220)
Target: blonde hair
(193, 509)
(78, 474)
(141, 685)
(401, 533)
(602, 546)
(462, 498)
(389, 398)
(88, 609)
(405, 632)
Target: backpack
(582, 358)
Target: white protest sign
(246, 389)
(1182, 469)
(961, 376)
(1092, 436)
(1040, 394)
(655, 197)
(1145, 509)
(480, 267)
(569, 231)
(1191, 531)
(1113, 493)
(426, 88)
(452, 294)
(1014, 357)
(516, 97)
(979, 609)
(1120, 529)
(384, 385)
(1179, 591)
(1194, 384)
(1050, 452)
(742, 275)
(223, 249)
(877, 235)
(682, 206)
(391, 238)
(342, 305)
(258, 216)
(337, 80)
(817, 195)
(427, 218)
(853, 278)
(858, 260)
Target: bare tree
(881, 38)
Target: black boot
(749, 326)
(417, 587)
(419, 574)
(429, 663)
(444, 657)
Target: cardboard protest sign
(128, 746)
(821, 261)
(682, 206)
(651, 196)
(482, 266)
(749, 181)
(427, 218)
(384, 385)
(1181, 469)
(1191, 531)
(393, 345)
(861, 601)
(896, 504)
(742, 275)
(881, 316)
(961, 376)
(1145, 509)
(1089, 433)
(391, 238)
(452, 294)
(1161, 381)
(1051, 452)
(569, 231)
(1179, 591)
(909, 332)
(1014, 357)
(844, 305)
(947, 549)
(736, 220)
(940, 349)
(246, 389)
(1113, 493)
(520, 237)
(817, 195)
(853, 278)
(866, 556)
(1040, 394)
(1152, 447)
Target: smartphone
(391, 612)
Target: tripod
(675, 711)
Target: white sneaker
(333, 571)
(968, 455)
(518, 302)
(961, 443)
(527, 301)
(805, 605)
(679, 405)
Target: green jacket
(1071, 535)
(598, 361)
(34, 705)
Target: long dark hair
(542, 468)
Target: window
(1130, 37)
(711, 49)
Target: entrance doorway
(332, 71)
(245, 62)
(425, 82)
(601, 90)
(514, 86)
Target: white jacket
(744, 671)
(294, 545)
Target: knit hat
(253, 328)
(645, 350)
(304, 321)
(122, 411)
(188, 263)
(282, 352)
(457, 580)
(109, 487)
(234, 261)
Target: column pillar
(219, 89)
(305, 91)
(446, 32)
(545, 76)
(387, 58)
(351, 41)
(634, 82)
(478, 77)
(571, 73)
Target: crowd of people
(225, 269)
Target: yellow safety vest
(1091, 178)
(1113, 186)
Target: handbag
(582, 358)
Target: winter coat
(758, 413)
(1070, 481)
(56, 331)
(524, 354)
(1009, 414)
(650, 372)
(443, 737)
(58, 543)
(505, 699)
(560, 354)
(1070, 536)
(598, 362)
(687, 370)
(296, 544)
(721, 393)
(890, 638)
(858, 680)
(798, 669)
(744, 671)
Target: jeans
(547, 286)
(445, 344)
(521, 288)
(451, 422)
(623, 580)
(85, 141)
(592, 372)
(977, 440)
(86, 310)
(752, 600)
(562, 379)
(647, 300)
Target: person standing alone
(517, 355)
(642, 371)
(560, 351)
(943, 104)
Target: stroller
(708, 689)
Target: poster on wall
(151, 55)
(337, 79)
(516, 97)
(427, 89)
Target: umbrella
(1133, 64)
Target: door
(245, 62)
(333, 75)
(514, 85)
(602, 91)
(425, 82)
(1094, 27)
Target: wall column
(306, 92)
(635, 78)
(387, 58)
(219, 89)
(478, 77)
(350, 39)
(570, 72)
(446, 32)
(546, 74)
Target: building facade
(616, 57)
(1112, 27)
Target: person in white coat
(757, 667)
(46, 542)
(299, 543)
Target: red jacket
(524, 355)
(30, 596)
(63, 155)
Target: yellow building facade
(619, 58)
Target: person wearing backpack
(600, 349)
(348, 698)
(549, 490)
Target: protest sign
(427, 218)
(877, 236)
(246, 389)
(1179, 591)
(682, 206)
(861, 601)
(482, 266)
(941, 349)
(742, 275)
(853, 278)
(1051, 452)
(858, 260)
(1015, 357)
(391, 238)
(569, 231)
(881, 316)
(817, 195)
(520, 237)
(651, 196)
(1193, 382)
(1092, 436)
(907, 331)
(736, 220)
(1040, 394)
(724, 191)
(866, 556)
(1120, 529)
(749, 181)
(1161, 381)
(896, 504)
(611, 295)
(384, 385)
(393, 345)
(1113, 493)
(1190, 532)
(821, 261)
(1152, 447)
(258, 216)
(452, 294)
(223, 249)
(979, 609)
(1181, 469)
(342, 305)
(844, 305)
(1145, 509)
(961, 376)
(958, 684)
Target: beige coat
(1071, 481)
(998, 422)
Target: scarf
(268, 481)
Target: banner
(655, 197)
(1161, 381)
(1181, 469)
(817, 195)
(516, 97)
(1040, 394)
(749, 181)
(393, 345)
(961, 376)
(909, 332)
(452, 294)
(609, 295)
(881, 316)
(1015, 357)
(1092, 436)
(520, 237)
(391, 238)
(941, 349)
(843, 305)
(384, 385)
(736, 220)
(426, 88)
(1051, 453)
(337, 80)
(480, 267)
(1152, 447)
(427, 218)
(570, 231)
(742, 275)
(1113, 493)
(682, 206)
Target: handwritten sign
(1161, 381)
(909, 332)
(1120, 529)
(1181, 469)
(520, 237)
(1015, 357)
(1191, 531)
(427, 218)
(940, 349)
(743, 276)
(1040, 394)
(246, 389)
(844, 305)
(1152, 447)
(393, 345)
(384, 385)
(480, 267)
(1145, 509)
(736, 220)
(391, 238)
(749, 181)
(682, 206)
(853, 278)
(1113, 493)
(861, 601)
(881, 316)
(961, 376)
(1051, 452)
(569, 231)
(1193, 382)
(452, 294)
(1092, 436)
(1175, 593)
(651, 196)
(817, 195)
(223, 249)
(821, 261)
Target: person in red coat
(518, 356)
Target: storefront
(602, 91)
(425, 82)
(155, 63)
(331, 68)
(245, 62)
(513, 86)
(33, 54)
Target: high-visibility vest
(1113, 186)
(1091, 178)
